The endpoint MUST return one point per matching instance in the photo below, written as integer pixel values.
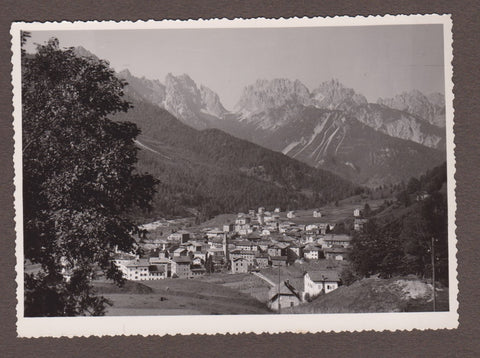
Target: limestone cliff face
(183, 99)
(267, 94)
(400, 124)
(331, 127)
(429, 108)
(269, 105)
(150, 90)
(333, 95)
(211, 102)
(194, 105)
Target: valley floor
(233, 294)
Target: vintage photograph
(228, 176)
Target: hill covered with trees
(208, 172)
(397, 240)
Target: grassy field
(332, 213)
(173, 297)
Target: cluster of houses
(251, 242)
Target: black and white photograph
(228, 176)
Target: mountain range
(282, 145)
(331, 127)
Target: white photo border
(235, 324)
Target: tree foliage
(79, 179)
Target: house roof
(330, 237)
(280, 245)
(244, 243)
(297, 246)
(284, 291)
(246, 252)
(181, 259)
(156, 268)
(325, 275)
(137, 263)
(336, 250)
(287, 239)
(278, 258)
(158, 260)
(312, 248)
(215, 232)
(262, 256)
(253, 236)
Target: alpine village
(297, 201)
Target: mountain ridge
(272, 116)
(325, 128)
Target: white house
(143, 270)
(181, 236)
(357, 212)
(240, 265)
(214, 233)
(317, 282)
(340, 240)
(297, 250)
(266, 232)
(286, 297)
(311, 252)
(317, 214)
(291, 214)
(181, 267)
(181, 251)
(311, 227)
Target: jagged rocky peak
(182, 97)
(267, 94)
(334, 95)
(184, 81)
(437, 99)
(150, 90)
(194, 105)
(211, 102)
(431, 109)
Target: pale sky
(376, 61)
